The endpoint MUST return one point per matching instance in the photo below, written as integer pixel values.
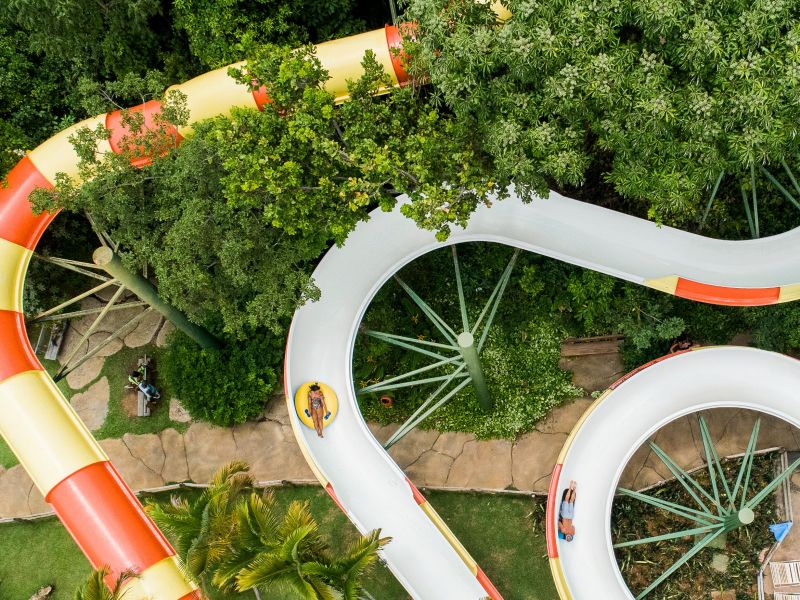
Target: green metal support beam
(731, 502)
(106, 258)
(466, 345)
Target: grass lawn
(117, 424)
(503, 533)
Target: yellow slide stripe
(450, 537)
(342, 59)
(57, 155)
(666, 284)
(14, 261)
(212, 94)
(789, 293)
(43, 430)
(164, 580)
(559, 580)
(565, 448)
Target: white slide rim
(370, 487)
(624, 419)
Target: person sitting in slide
(317, 409)
(567, 512)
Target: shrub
(522, 373)
(225, 386)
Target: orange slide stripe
(18, 224)
(17, 355)
(261, 97)
(488, 585)
(630, 374)
(418, 497)
(395, 42)
(550, 532)
(107, 521)
(119, 130)
(717, 294)
(334, 497)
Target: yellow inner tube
(301, 403)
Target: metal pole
(466, 345)
(110, 262)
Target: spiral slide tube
(57, 450)
(352, 465)
(645, 401)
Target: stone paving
(150, 328)
(430, 458)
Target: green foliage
(105, 39)
(222, 386)
(673, 92)
(232, 221)
(234, 539)
(355, 157)
(94, 588)
(216, 29)
(30, 97)
(640, 565)
(286, 556)
(202, 528)
(519, 360)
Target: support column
(745, 516)
(466, 346)
(104, 257)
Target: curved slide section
(645, 401)
(353, 466)
(57, 450)
(97, 507)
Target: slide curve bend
(353, 466)
(653, 396)
(75, 475)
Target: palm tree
(95, 588)
(288, 555)
(202, 529)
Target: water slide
(645, 401)
(97, 507)
(374, 492)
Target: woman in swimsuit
(317, 407)
(567, 512)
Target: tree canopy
(661, 96)
(232, 220)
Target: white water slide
(374, 492)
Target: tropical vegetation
(234, 539)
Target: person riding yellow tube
(316, 405)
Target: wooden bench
(143, 405)
(601, 344)
(55, 338)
